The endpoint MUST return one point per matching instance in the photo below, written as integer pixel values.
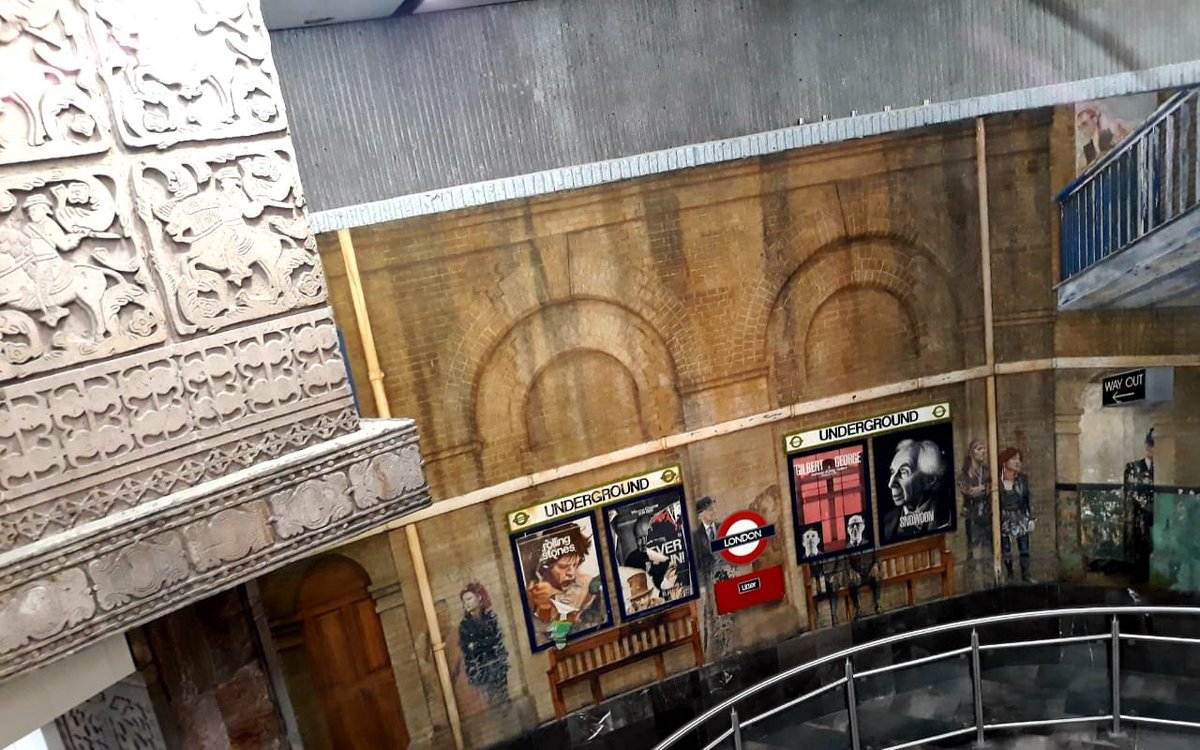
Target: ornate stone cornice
(103, 577)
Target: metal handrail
(846, 656)
(1148, 180)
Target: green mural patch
(1101, 515)
(1175, 562)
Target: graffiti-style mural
(1016, 512)
(1138, 492)
(484, 653)
(711, 568)
(975, 490)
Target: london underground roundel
(743, 537)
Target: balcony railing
(1106, 658)
(1148, 180)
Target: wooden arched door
(344, 641)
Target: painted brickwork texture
(532, 334)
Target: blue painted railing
(1148, 180)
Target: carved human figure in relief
(238, 260)
(62, 288)
(51, 275)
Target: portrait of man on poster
(914, 488)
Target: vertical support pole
(435, 633)
(977, 687)
(1116, 677)
(852, 706)
(383, 411)
(989, 342)
(374, 373)
(737, 729)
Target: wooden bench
(590, 658)
(904, 563)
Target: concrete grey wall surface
(397, 106)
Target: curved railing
(835, 690)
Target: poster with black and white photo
(559, 570)
(831, 507)
(650, 549)
(914, 483)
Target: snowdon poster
(650, 549)
(914, 483)
(831, 508)
(559, 569)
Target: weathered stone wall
(175, 414)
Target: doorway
(347, 652)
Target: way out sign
(1147, 385)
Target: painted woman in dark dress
(484, 654)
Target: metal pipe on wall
(989, 336)
(383, 410)
(374, 373)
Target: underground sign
(743, 537)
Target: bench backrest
(622, 644)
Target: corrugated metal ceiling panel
(399, 106)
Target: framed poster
(650, 549)
(914, 483)
(559, 570)
(830, 506)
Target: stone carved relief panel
(229, 237)
(143, 566)
(386, 475)
(73, 286)
(311, 505)
(138, 570)
(186, 70)
(43, 608)
(61, 509)
(68, 424)
(227, 536)
(120, 717)
(50, 100)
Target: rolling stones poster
(650, 549)
(914, 483)
(564, 593)
(832, 510)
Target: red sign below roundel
(760, 587)
(743, 522)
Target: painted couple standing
(1016, 507)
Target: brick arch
(906, 272)
(494, 311)
(543, 339)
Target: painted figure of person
(975, 488)
(712, 568)
(1016, 511)
(484, 653)
(916, 473)
(856, 529)
(1139, 511)
(560, 592)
